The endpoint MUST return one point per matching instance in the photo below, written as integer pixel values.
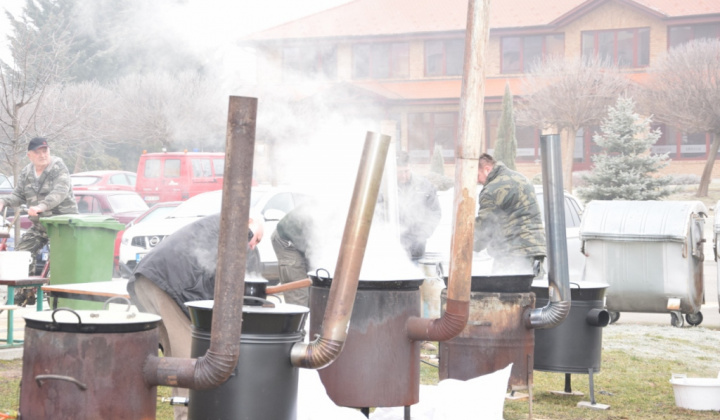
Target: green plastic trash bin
(81, 251)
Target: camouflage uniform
(52, 191)
(509, 223)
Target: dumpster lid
(621, 220)
(83, 220)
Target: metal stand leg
(592, 403)
(568, 388)
(11, 318)
(568, 385)
(40, 296)
(407, 412)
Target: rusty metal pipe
(336, 321)
(216, 366)
(467, 153)
(558, 307)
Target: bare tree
(570, 94)
(39, 60)
(684, 91)
(80, 116)
(163, 110)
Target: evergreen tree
(437, 176)
(624, 169)
(506, 145)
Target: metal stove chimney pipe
(558, 307)
(217, 365)
(467, 152)
(336, 321)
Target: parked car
(172, 176)
(270, 202)
(156, 212)
(103, 181)
(439, 242)
(6, 187)
(124, 206)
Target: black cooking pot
(506, 283)
(321, 278)
(579, 291)
(281, 318)
(256, 288)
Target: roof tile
(394, 17)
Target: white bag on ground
(478, 398)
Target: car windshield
(122, 203)
(210, 203)
(158, 213)
(83, 180)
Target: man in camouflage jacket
(44, 186)
(509, 223)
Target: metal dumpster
(650, 253)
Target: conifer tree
(625, 169)
(436, 175)
(506, 145)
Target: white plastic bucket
(696, 393)
(14, 265)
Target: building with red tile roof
(407, 56)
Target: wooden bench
(33, 281)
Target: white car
(439, 242)
(270, 202)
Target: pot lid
(283, 318)
(89, 321)
(278, 308)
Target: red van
(177, 176)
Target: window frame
(446, 57)
(322, 62)
(429, 131)
(637, 55)
(396, 68)
(693, 28)
(524, 67)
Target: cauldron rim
(279, 308)
(91, 321)
(500, 283)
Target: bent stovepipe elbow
(549, 316)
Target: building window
(528, 138)
(381, 61)
(428, 130)
(519, 53)
(678, 35)
(623, 47)
(679, 145)
(310, 62)
(444, 57)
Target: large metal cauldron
(264, 384)
(495, 334)
(378, 366)
(87, 365)
(575, 345)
